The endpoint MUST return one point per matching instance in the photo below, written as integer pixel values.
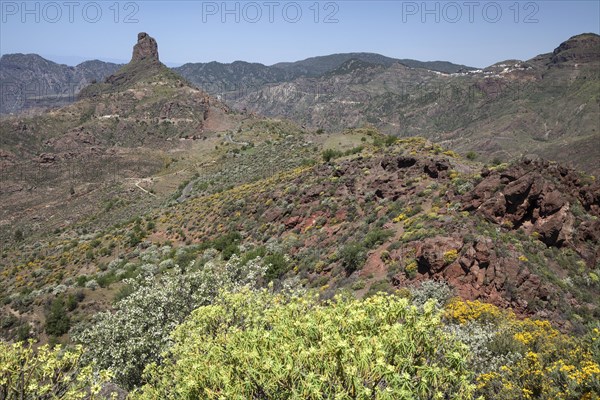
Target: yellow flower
(399, 218)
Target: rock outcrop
(145, 49)
(478, 270)
(578, 49)
(541, 199)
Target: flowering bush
(138, 331)
(47, 373)
(249, 345)
(525, 359)
(439, 291)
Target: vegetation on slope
(178, 258)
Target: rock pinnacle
(145, 49)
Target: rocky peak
(578, 49)
(145, 49)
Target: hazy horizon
(476, 34)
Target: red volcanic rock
(292, 222)
(430, 253)
(537, 196)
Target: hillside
(547, 105)
(316, 66)
(387, 217)
(189, 249)
(62, 165)
(31, 82)
(406, 208)
(39, 84)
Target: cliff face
(145, 49)
(583, 48)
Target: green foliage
(138, 331)
(331, 154)
(134, 239)
(354, 150)
(252, 254)
(255, 345)
(353, 256)
(106, 279)
(441, 292)
(123, 292)
(227, 244)
(45, 373)
(384, 140)
(73, 299)
(379, 287)
(277, 265)
(377, 237)
(18, 235)
(471, 155)
(229, 251)
(57, 319)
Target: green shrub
(57, 320)
(229, 251)
(377, 237)
(18, 235)
(134, 239)
(123, 292)
(226, 240)
(71, 303)
(471, 155)
(353, 256)
(441, 292)
(105, 280)
(252, 254)
(354, 150)
(137, 332)
(255, 345)
(331, 154)
(277, 265)
(42, 373)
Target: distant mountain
(233, 80)
(33, 82)
(316, 66)
(238, 78)
(125, 125)
(548, 105)
(30, 81)
(124, 109)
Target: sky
(474, 33)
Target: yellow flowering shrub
(450, 256)
(256, 345)
(401, 217)
(553, 365)
(461, 311)
(45, 373)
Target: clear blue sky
(476, 33)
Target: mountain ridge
(220, 81)
(147, 198)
